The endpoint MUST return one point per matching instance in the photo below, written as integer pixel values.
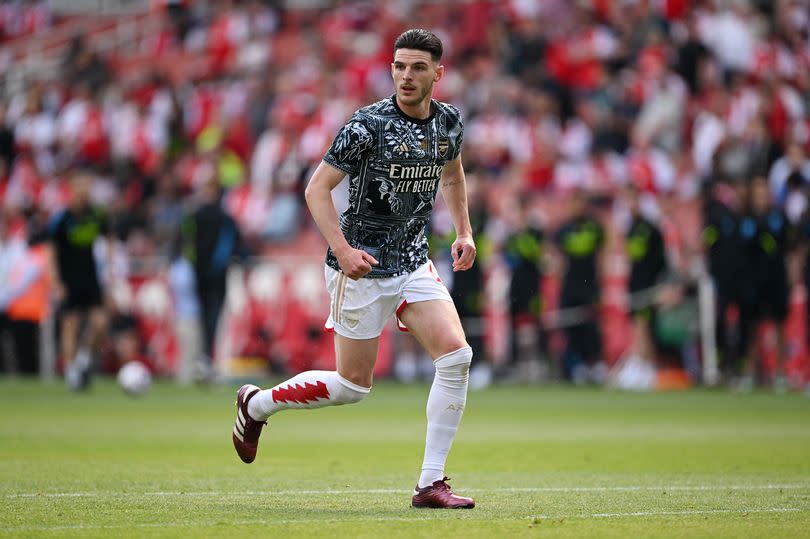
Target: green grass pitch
(540, 461)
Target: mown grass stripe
(316, 492)
(415, 518)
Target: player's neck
(420, 111)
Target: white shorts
(360, 309)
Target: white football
(134, 378)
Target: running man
(397, 153)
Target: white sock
(445, 405)
(310, 389)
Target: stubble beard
(414, 100)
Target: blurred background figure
(722, 215)
(78, 280)
(211, 239)
(768, 238)
(524, 251)
(188, 313)
(24, 299)
(646, 252)
(581, 240)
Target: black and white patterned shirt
(394, 163)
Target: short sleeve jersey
(394, 163)
(581, 239)
(73, 235)
(647, 254)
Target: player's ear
(439, 73)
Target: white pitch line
(265, 522)
(672, 513)
(630, 488)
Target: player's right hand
(355, 263)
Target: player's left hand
(463, 253)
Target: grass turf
(541, 462)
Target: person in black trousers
(523, 252)
(581, 240)
(722, 213)
(767, 238)
(646, 253)
(78, 278)
(210, 239)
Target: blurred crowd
(19, 18)
(674, 133)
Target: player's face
(80, 186)
(578, 205)
(760, 196)
(414, 73)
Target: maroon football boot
(246, 430)
(439, 495)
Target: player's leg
(747, 356)
(212, 300)
(359, 312)
(778, 311)
(88, 342)
(77, 359)
(311, 389)
(97, 326)
(26, 346)
(69, 335)
(436, 325)
(316, 389)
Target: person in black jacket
(722, 214)
(211, 239)
(523, 251)
(767, 237)
(79, 283)
(581, 240)
(646, 253)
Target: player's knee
(358, 377)
(447, 344)
(454, 368)
(98, 319)
(70, 322)
(351, 392)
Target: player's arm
(454, 192)
(58, 288)
(52, 264)
(601, 258)
(355, 263)
(109, 276)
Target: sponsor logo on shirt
(414, 172)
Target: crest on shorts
(352, 322)
(443, 145)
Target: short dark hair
(421, 40)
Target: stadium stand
(677, 98)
